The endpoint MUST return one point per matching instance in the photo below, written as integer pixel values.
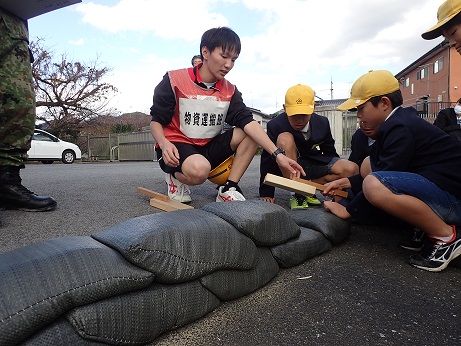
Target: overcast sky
(284, 42)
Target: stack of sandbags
(130, 283)
(43, 281)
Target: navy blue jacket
(446, 120)
(319, 148)
(407, 143)
(359, 147)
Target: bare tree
(68, 93)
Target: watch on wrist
(278, 151)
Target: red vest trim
(199, 113)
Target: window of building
(406, 82)
(438, 65)
(421, 74)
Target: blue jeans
(443, 203)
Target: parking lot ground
(361, 292)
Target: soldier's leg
(17, 116)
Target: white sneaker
(177, 191)
(230, 195)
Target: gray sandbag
(180, 246)
(42, 281)
(266, 223)
(310, 243)
(232, 284)
(332, 227)
(60, 333)
(139, 317)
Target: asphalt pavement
(361, 292)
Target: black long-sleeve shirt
(164, 103)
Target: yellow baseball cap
(299, 99)
(373, 83)
(445, 13)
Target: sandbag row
(132, 282)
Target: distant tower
(331, 88)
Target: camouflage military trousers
(17, 96)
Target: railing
(136, 146)
(428, 110)
(140, 146)
(342, 125)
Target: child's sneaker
(415, 242)
(298, 202)
(435, 254)
(177, 191)
(230, 195)
(312, 200)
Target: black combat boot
(15, 196)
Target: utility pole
(331, 87)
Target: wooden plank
(169, 206)
(289, 184)
(153, 194)
(162, 202)
(321, 187)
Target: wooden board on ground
(321, 187)
(289, 184)
(162, 202)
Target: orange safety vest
(200, 113)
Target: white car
(48, 148)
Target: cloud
(79, 42)
(171, 20)
(136, 83)
(325, 44)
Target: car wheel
(68, 156)
(47, 162)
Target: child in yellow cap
(416, 170)
(306, 137)
(448, 24)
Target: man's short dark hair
(195, 57)
(395, 97)
(223, 37)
